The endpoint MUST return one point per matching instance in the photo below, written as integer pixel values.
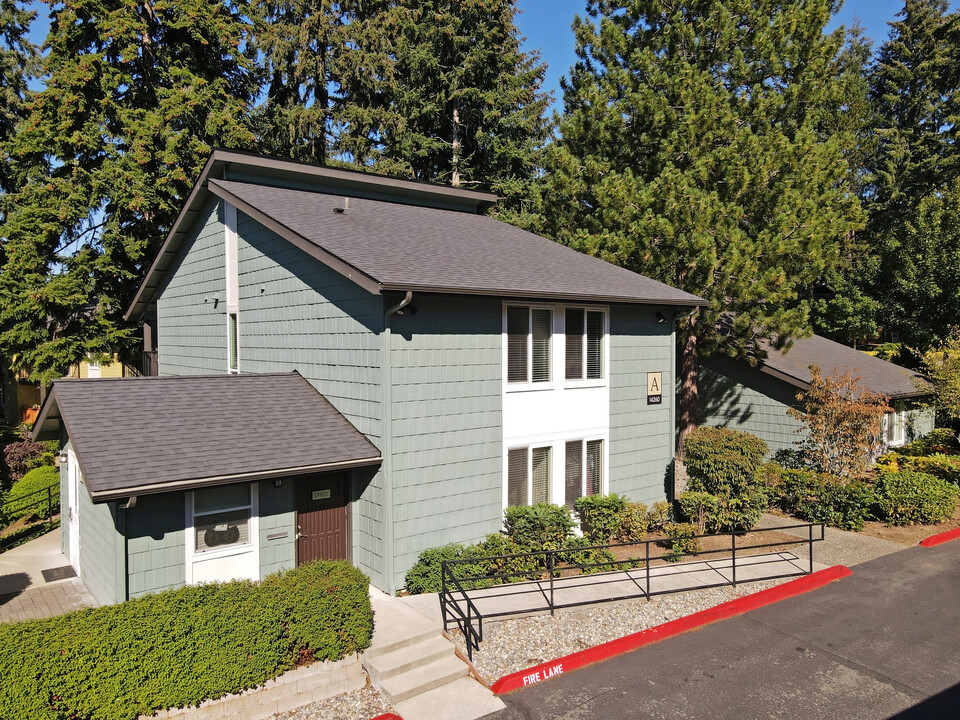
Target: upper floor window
(529, 343)
(584, 341)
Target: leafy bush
(634, 522)
(21, 501)
(538, 527)
(577, 551)
(820, 497)
(25, 455)
(722, 461)
(682, 540)
(941, 441)
(660, 514)
(182, 646)
(601, 516)
(426, 574)
(701, 509)
(512, 569)
(945, 467)
(906, 498)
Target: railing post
(468, 634)
(733, 556)
(647, 563)
(443, 593)
(50, 507)
(810, 547)
(550, 564)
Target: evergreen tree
(702, 144)
(17, 65)
(914, 87)
(137, 93)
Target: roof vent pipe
(345, 208)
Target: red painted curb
(738, 606)
(945, 536)
(387, 716)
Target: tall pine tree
(18, 58)
(137, 93)
(700, 144)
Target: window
(583, 478)
(234, 342)
(895, 425)
(221, 517)
(528, 475)
(529, 336)
(584, 340)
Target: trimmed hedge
(601, 516)
(542, 526)
(18, 504)
(906, 498)
(820, 497)
(179, 647)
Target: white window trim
(253, 533)
(558, 349)
(899, 419)
(558, 463)
(232, 270)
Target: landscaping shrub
(945, 467)
(820, 497)
(20, 501)
(941, 441)
(425, 575)
(601, 516)
(682, 540)
(577, 552)
(543, 526)
(906, 498)
(635, 521)
(25, 455)
(512, 569)
(182, 646)
(701, 509)
(660, 514)
(723, 461)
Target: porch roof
(137, 436)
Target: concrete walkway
(25, 594)
(838, 547)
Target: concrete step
(387, 665)
(396, 626)
(463, 699)
(422, 678)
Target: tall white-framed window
(584, 333)
(895, 424)
(529, 344)
(583, 469)
(529, 475)
(232, 269)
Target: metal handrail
(464, 620)
(19, 504)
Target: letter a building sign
(654, 388)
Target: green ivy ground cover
(182, 646)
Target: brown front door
(322, 516)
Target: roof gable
(155, 434)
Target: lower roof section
(135, 436)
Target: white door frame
(73, 509)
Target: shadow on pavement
(12, 585)
(942, 705)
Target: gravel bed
(520, 643)
(357, 705)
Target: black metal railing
(42, 503)
(533, 577)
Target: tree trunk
(455, 164)
(688, 386)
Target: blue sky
(546, 25)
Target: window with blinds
(583, 330)
(573, 475)
(594, 480)
(540, 475)
(529, 344)
(517, 476)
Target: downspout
(673, 400)
(386, 440)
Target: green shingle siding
(447, 436)
(156, 553)
(191, 327)
(100, 547)
(277, 516)
(641, 441)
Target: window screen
(542, 321)
(594, 345)
(518, 325)
(234, 344)
(541, 475)
(594, 467)
(574, 332)
(573, 475)
(517, 476)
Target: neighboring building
(490, 366)
(755, 399)
(19, 396)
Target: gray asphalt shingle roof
(875, 374)
(140, 435)
(411, 247)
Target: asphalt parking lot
(884, 643)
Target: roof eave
(531, 295)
